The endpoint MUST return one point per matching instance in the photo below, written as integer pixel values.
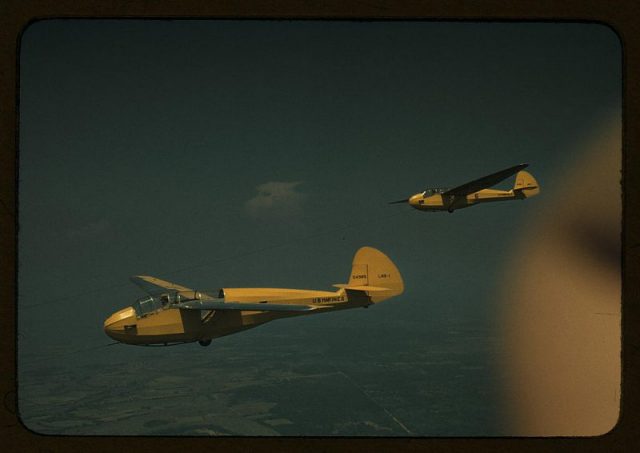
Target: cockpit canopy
(433, 191)
(149, 304)
(154, 304)
(146, 305)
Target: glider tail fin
(375, 274)
(526, 185)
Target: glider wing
(484, 182)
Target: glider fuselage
(442, 202)
(476, 192)
(176, 325)
(173, 314)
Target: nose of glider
(414, 200)
(121, 323)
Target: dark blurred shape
(562, 300)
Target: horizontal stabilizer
(219, 304)
(361, 287)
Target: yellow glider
(476, 191)
(173, 314)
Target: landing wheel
(204, 342)
(450, 211)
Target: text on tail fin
(372, 268)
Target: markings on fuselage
(319, 300)
(358, 276)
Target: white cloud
(275, 198)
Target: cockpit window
(148, 305)
(433, 191)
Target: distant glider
(474, 192)
(172, 314)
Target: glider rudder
(372, 271)
(526, 185)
